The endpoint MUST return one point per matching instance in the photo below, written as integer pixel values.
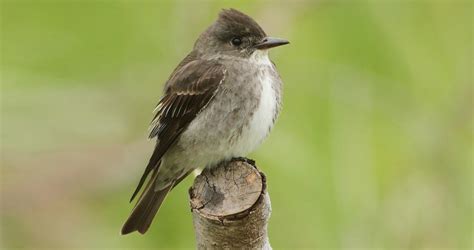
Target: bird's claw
(244, 159)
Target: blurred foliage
(373, 148)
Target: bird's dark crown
(233, 23)
(232, 34)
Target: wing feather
(188, 91)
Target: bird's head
(235, 34)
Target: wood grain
(231, 207)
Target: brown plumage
(224, 78)
(144, 211)
(189, 89)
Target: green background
(373, 148)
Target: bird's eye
(236, 41)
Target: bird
(219, 103)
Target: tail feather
(146, 208)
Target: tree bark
(231, 207)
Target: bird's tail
(146, 207)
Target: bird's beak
(270, 42)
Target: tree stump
(231, 207)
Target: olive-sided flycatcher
(219, 103)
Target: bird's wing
(189, 89)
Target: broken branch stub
(231, 207)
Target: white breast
(262, 120)
(208, 141)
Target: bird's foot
(244, 159)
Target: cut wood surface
(231, 207)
